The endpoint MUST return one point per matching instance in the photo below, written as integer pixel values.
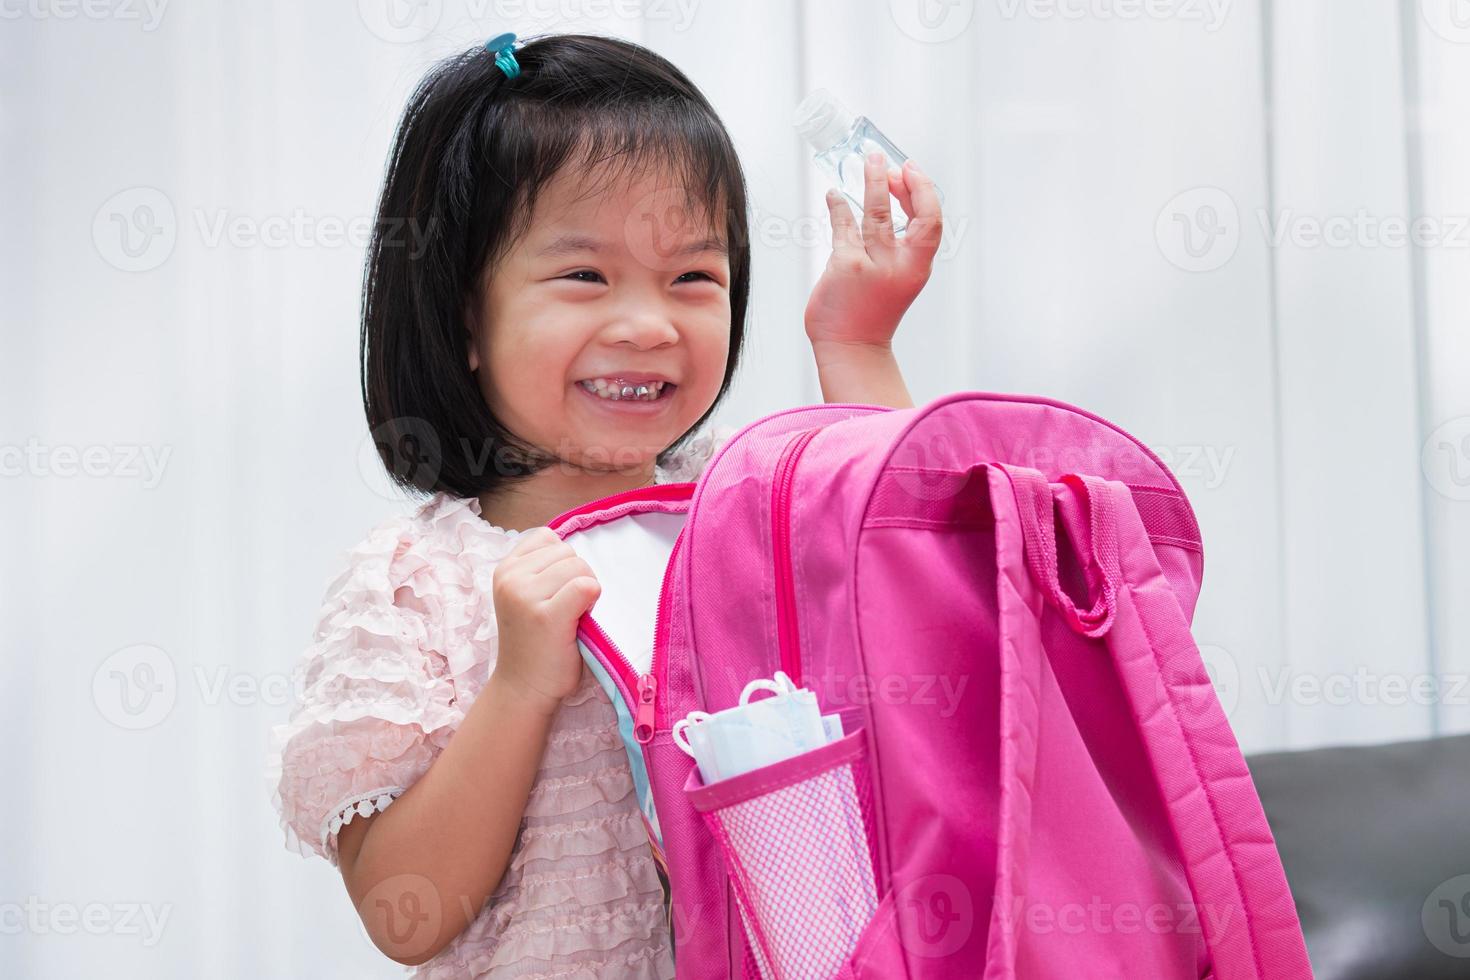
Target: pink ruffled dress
(405, 640)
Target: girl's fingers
(575, 596)
(899, 189)
(538, 557)
(558, 573)
(877, 211)
(845, 234)
(926, 224)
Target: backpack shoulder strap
(1246, 909)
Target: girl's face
(604, 294)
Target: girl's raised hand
(541, 589)
(872, 275)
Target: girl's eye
(598, 276)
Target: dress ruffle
(628, 939)
(689, 462)
(403, 643)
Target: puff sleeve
(404, 640)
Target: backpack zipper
(788, 638)
(642, 688)
(658, 666)
(642, 691)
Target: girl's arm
(864, 373)
(870, 280)
(420, 871)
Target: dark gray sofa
(1375, 841)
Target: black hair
(472, 152)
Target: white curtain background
(1236, 229)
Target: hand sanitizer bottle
(843, 142)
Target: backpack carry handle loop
(1092, 529)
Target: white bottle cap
(822, 119)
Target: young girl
(568, 313)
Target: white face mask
(756, 733)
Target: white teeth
(619, 391)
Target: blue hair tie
(503, 48)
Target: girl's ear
(472, 334)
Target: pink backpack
(994, 593)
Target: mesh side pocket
(797, 840)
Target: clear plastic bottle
(843, 142)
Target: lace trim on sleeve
(363, 804)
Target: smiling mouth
(614, 390)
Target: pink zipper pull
(643, 723)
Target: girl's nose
(645, 330)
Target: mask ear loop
(782, 684)
(680, 732)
